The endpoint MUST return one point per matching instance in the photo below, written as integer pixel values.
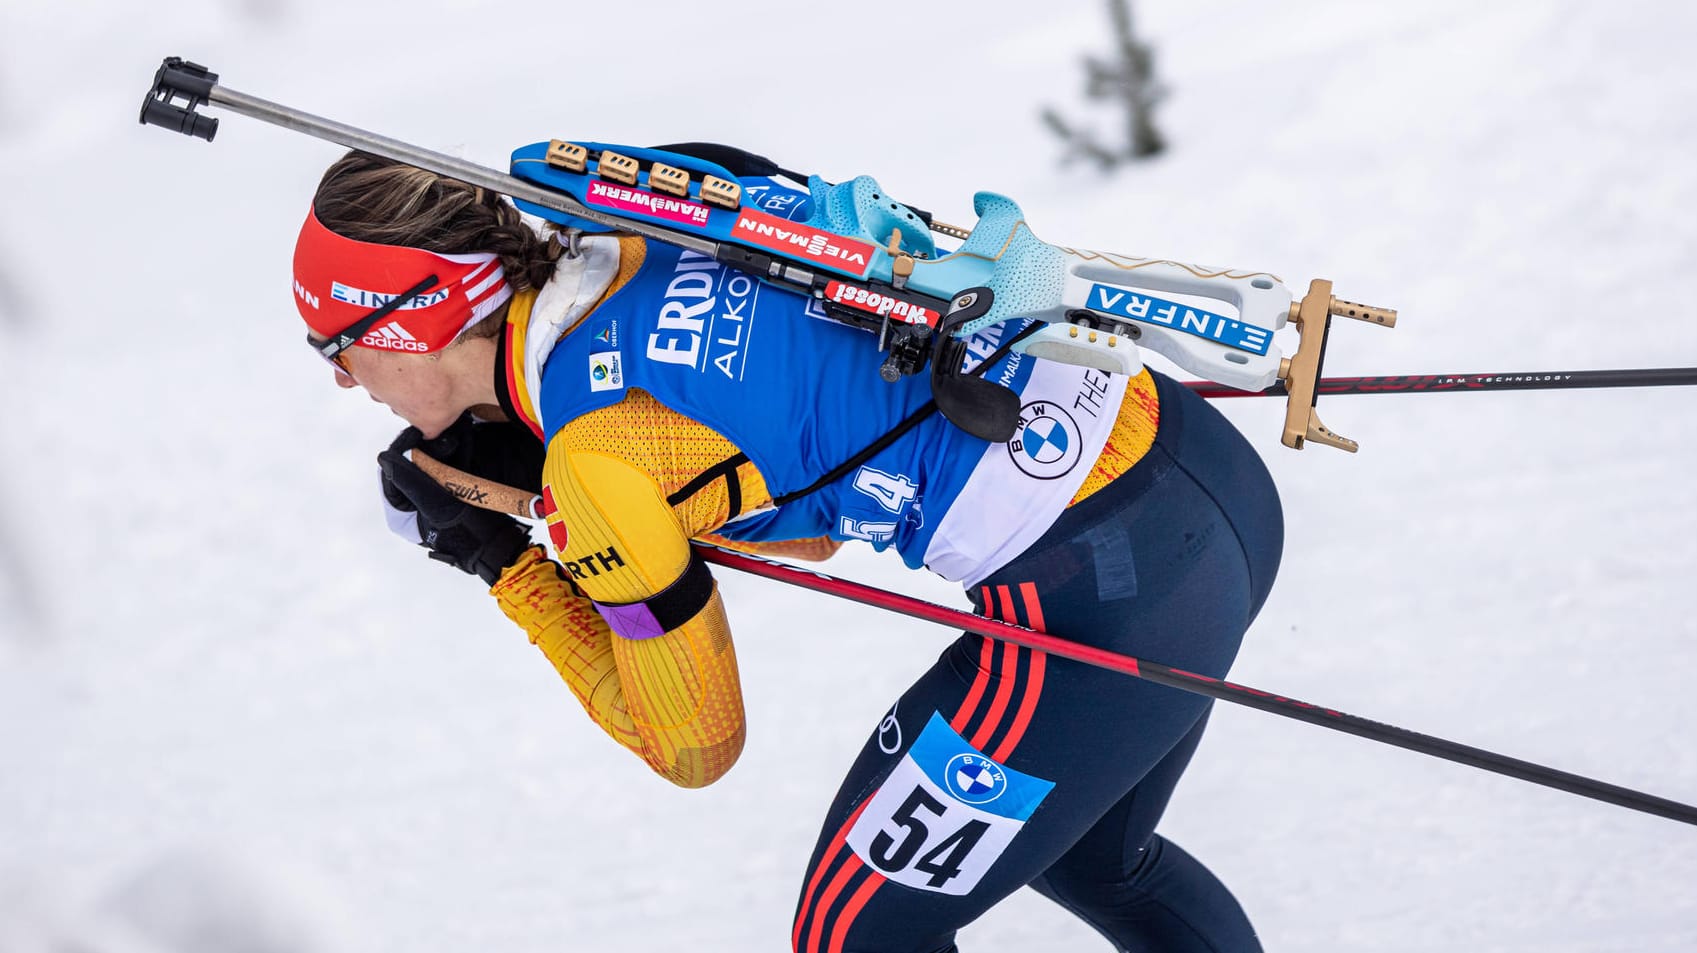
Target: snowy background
(237, 715)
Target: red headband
(339, 280)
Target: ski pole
(1452, 383)
(1205, 685)
(494, 496)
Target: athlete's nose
(344, 379)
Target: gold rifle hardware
(901, 265)
(617, 168)
(567, 155)
(668, 179)
(721, 192)
(953, 231)
(1384, 317)
(1301, 371)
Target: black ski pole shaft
(1453, 383)
(1211, 687)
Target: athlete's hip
(1186, 539)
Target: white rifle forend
(1155, 303)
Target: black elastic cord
(345, 338)
(738, 162)
(504, 397)
(726, 468)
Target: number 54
(943, 862)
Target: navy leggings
(949, 807)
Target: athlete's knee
(1162, 898)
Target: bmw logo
(1047, 444)
(974, 779)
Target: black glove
(495, 450)
(475, 540)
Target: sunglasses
(331, 349)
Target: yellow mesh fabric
(671, 448)
(674, 700)
(1131, 438)
(685, 698)
(816, 549)
(572, 635)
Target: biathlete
(655, 397)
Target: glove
(475, 540)
(495, 450)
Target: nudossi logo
(882, 305)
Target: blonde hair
(372, 199)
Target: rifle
(873, 262)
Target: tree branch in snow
(1128, 80)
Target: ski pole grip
(481, 493)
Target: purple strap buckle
(634, 621)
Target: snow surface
(235, 714)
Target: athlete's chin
(431, 427)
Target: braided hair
(372, 199)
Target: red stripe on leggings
(825, 860)
(1033, 678)
(850, 867)
(1006, 598)
(1027, 705)
(1004, 691)
(852, 910)
(1033, 607)
(979, 683)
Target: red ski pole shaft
(1204, 685)
(1451, 383)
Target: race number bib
(945, 814)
